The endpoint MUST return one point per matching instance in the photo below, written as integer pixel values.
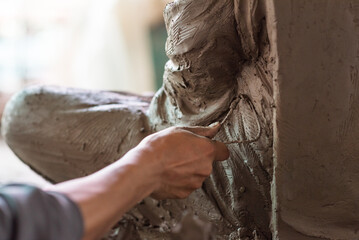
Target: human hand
(183, 157)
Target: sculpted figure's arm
(65, 133)
(169, 164)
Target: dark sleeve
(29, 213)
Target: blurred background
(116, 45)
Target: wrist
(141, 163)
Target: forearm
(168, 164)
(106, 195)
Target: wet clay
(265, 69)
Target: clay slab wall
(316, 142)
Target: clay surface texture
(281, 76)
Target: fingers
(188, 154)
(221, 151)
(209, 131)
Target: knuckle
(176, 128)
(176, 131)
(171, 129)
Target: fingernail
(215, 124)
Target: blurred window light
(98, 44)
(32, 34)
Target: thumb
(209, 131)
(222, 152)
